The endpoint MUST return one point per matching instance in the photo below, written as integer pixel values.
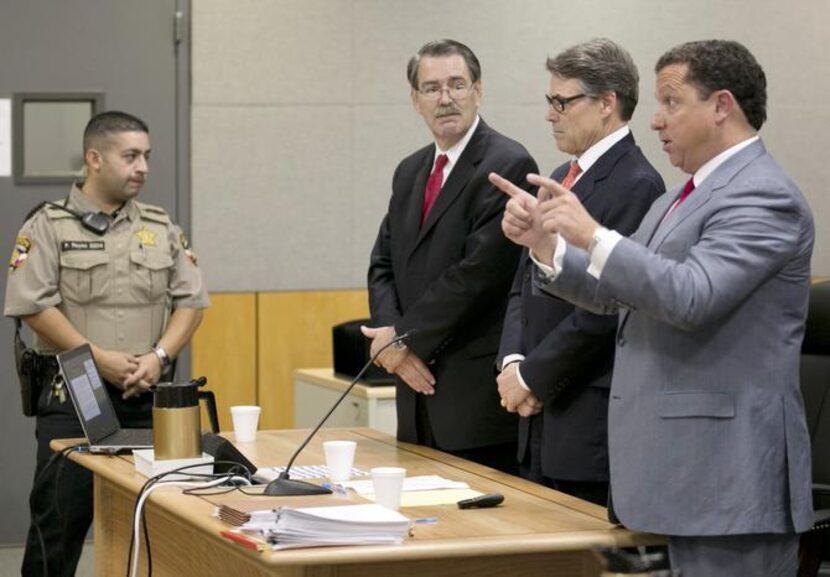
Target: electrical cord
(39, 478)
(58, 508)
(153, 483)
(235, 467)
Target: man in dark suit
(442, 266)
(707, 433)
(556, 358)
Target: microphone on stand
(284, 485)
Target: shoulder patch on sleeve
(22, 246)
(187, 250)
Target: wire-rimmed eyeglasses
(457, 91)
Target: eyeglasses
(457, 91)
(559, 104)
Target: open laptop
(94, 407)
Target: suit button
(620, 341)
(527, 276)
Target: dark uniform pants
(62, 497)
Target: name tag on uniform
(67, 245)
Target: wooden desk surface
(325, 377)
(533, 524)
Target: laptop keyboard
(127, 437)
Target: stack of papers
(238, 511)
(365, 524)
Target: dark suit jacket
(449, 280)
(569, 352)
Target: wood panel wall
(250, 343)
(224, 350)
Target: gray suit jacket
(706, 422)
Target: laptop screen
(89, 393)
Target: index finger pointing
(548, 184)
(505, 185)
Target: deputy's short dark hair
(723, 65)
(445, 47)
(102, 125)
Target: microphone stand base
(291, 487)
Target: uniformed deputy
(132, 291)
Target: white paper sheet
(419, 483)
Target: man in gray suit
(707, 438)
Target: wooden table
(536, 531)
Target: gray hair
(600, 65)
(445, 47)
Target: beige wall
(301, 111)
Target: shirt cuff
(511, 358)
(521, 380)
(552, 270)
(604, 242)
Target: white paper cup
(245, 421)
(388, 483)
(339, 459)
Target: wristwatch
(399, 345)
(163, 357)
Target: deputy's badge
(22, 246)
(187, 250)
(146, 237)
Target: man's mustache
(445, 111)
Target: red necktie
(570, 178)
(687, 190)
(433, 186)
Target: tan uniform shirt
(117, 289)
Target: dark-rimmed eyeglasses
(559, 103)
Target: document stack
(363, 524)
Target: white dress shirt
(454, 152)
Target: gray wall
(127, 51)
(301, 111)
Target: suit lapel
(702, 194)
(662, 226)
(585, 186)
(415, 203)
(460, 176)
(699, 197)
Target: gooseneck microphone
(284, 485)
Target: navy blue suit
(568, 351)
